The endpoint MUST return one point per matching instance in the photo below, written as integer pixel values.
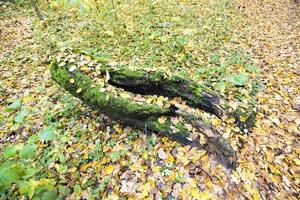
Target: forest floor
(53, 146)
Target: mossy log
(196, 95)
(138, 115)
(155, 83)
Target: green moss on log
(105, 101)
(129, 112)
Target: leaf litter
(82, 153)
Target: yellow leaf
(274, 169)
(162, 119)
(83, 68)
(255, 194)
(243, 118)
(109, 169)
(145, 188)
(85, 179)
(172, 176)
(72, 80)
(151, 181)
(73, 169)
(236, 129)
(231, 120)
(145, 155)
(215, 121)
(297, 161)
(84, 167)
(159, 101)
(233, 105)
(124, 95)
(135, 167)
(170, 158)
(27, 99)
(160, 98)
(205, 195)
(78, 90)
(184, 160)
(197, 194)
(149, 100)
(156, 169)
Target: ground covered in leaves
(54, 146)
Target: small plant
(16, 167)
(115, 155)
(132, 135)
(150, 142)
(96, 153)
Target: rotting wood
(139, 115)
(196, 95)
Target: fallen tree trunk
(137, 115)
(196, 95)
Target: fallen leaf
(162, 119)
(161, 154)
(125, 95)
(72, 68)
(109, 169)
(78, 90)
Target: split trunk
(145, 116)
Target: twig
(37, 10)
(113, 5)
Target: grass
(195, 39)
